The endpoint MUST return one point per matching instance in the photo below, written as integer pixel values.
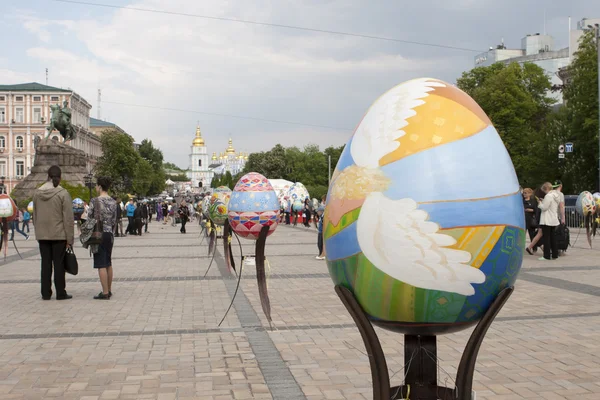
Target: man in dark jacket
(184, 214)
(137, 220)
(119, 223)
(145, 214)
(53, 221)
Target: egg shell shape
(298, 205)
(253, 204)
(412, 225)
(297, 192)
(8, 208)
(217, 211)
(585, 204)
(30, 207)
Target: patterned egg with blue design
(254, 204)
(424, 219)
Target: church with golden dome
(199, 171)
(228, 160)
(202, 168)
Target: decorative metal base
(420, 356)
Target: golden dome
(198, 141)
(230, 149)
(214, 156)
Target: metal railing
(573, 219)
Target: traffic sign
(561, 155)
(561, 148)
(568, 147)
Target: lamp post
(89, 178)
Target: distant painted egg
(586, 204)
(205, 203)
(298, 205)
(253, 204)
(297, 192)
(8, 208)
(30, 207)
(597, 200)
(424, 221)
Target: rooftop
(31, 87)
(99, 122)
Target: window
(18, 98)
(199, 163)
(2, 98)
(37, 115)
(19, 141)
(2, 115)
(20, 168)
(2, 168)
(37, 98)
(54, 98)
(19, 114)
(2, 142)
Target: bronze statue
(61, 121)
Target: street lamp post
(89, 178)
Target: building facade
(199, 172)
(228, 161)
(540, 50)
(24, 115)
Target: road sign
(561, 148)
(561, 155)
(568, 147)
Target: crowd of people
(545, 220)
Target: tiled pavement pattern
(158, 337)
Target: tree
(516, 100)
(155, 157)
(581, 117)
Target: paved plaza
(157, 338)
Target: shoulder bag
(91, 232)
(70, 261)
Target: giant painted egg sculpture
(217, 208)
(297, 192)
(253, 204)
(586, 204)
(30, 207)
(424, 221)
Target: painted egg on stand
(8, 207)
(217, 208)
(586, 204)
(253, 204)
(204, 205)
(412, 225)
(30, 207)
(297, 192)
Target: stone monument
(48, 152)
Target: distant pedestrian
(54, 226)
(137, 220)
(549, 221)
(15, 224)
(103, 254)
(119, 222)
(184, 214)
(320, 212)
(130, 208)
(159, 212)
(145, 214)
(26, 219)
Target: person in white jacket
(549, 221)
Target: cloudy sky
(172, 71)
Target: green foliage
(154, 157)
(516, 100)
(77, 191)
(179, 178)
(131, 171)
(23, 203)
(580, 119)
(309, 166)
(168, 165)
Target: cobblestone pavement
(158, 336)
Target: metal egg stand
(420, 356)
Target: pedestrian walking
(15, 224)
(184, 214)
(119, 222)
(130, 210)
(145, 214)
(26, 219)
(106, 208)
(54, 226)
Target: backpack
(563, 237)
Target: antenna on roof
(46, 76)
(99, 103)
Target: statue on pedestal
(61, 121)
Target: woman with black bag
(103, 209)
